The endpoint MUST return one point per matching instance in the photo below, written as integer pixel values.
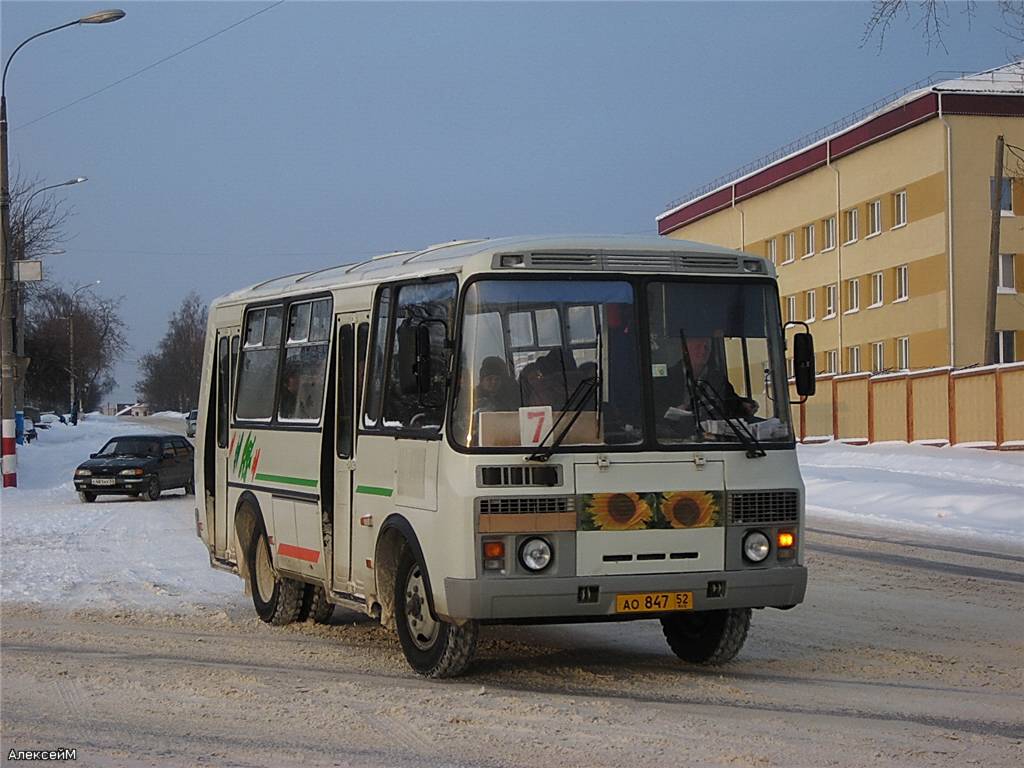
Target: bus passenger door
(222, 419)
(352, 332)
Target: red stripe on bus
(300, 553)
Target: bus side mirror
(803, 364)
(414, 359)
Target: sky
(316, 133)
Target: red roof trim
(703, 206)
(995, 105)
(783, 171)
(898, 119)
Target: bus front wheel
(434, 648)
(278, 600)
(708, 637)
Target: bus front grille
(516, 505)
(763, 507)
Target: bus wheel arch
(396, 535)
(247, 515)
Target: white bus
(519, 430)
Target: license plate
(654, 602)
(103, 481)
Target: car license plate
(654, 602)
(103, 481)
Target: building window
(878, 356)
(853, 294)
(902, 283)
(771, 252)
(899, 213)
(874, 218)
(831, 295)
(850, 222)
(790, 247)
(790, 309)
(808, 240)
(903, 353)
(877, 287)
(830, 233)
(831, 361)
(1006, 199)
(1007, 281)
(853, 359)
(810, 304)
(1005, 348)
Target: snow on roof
(1005, 80)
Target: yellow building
(881, 231)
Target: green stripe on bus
(286, 480)
(373, 490)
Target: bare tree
(100, 342)
(170, 375)
(37, 220)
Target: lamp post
(72, 390)
(9, 461)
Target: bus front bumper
(577, 598)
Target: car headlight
(756, 546)
(131, 472)
(535, 554)
(82, 473)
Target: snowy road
(907, 652)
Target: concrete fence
(975, 407)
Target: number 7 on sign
(533, 424)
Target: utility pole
(9, 460)
(993, 256)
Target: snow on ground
(128, 554)
(118, 552)
(952, 490)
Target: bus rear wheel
(278, 600)
(315, 605)
(434, 648)
(708, 637)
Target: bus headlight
(535, 554)
(756, 546)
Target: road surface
(906, 652)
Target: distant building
(881, 230)
(134, 410)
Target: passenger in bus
(672, 392)
(290, 394)
(542, 382)
(496, 389)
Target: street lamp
(9, 461)
(68, 183)
(71, 349)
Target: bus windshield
(716, 357)
(538, 355)
(535, 349)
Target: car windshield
(718, 339)
(533, 350)
(131, 446)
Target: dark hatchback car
(137, 465)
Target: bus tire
(709, 637)
(277, 599)
(433, 648)
(315, 605)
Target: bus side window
(222, 392)
(233, 370)
(346, 390)
(257, 367)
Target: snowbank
(118, 552)
(956, 490)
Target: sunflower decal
(689, 509)
(618, 511)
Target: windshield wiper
(717, 403)
(582, 393)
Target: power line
(150, 66)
